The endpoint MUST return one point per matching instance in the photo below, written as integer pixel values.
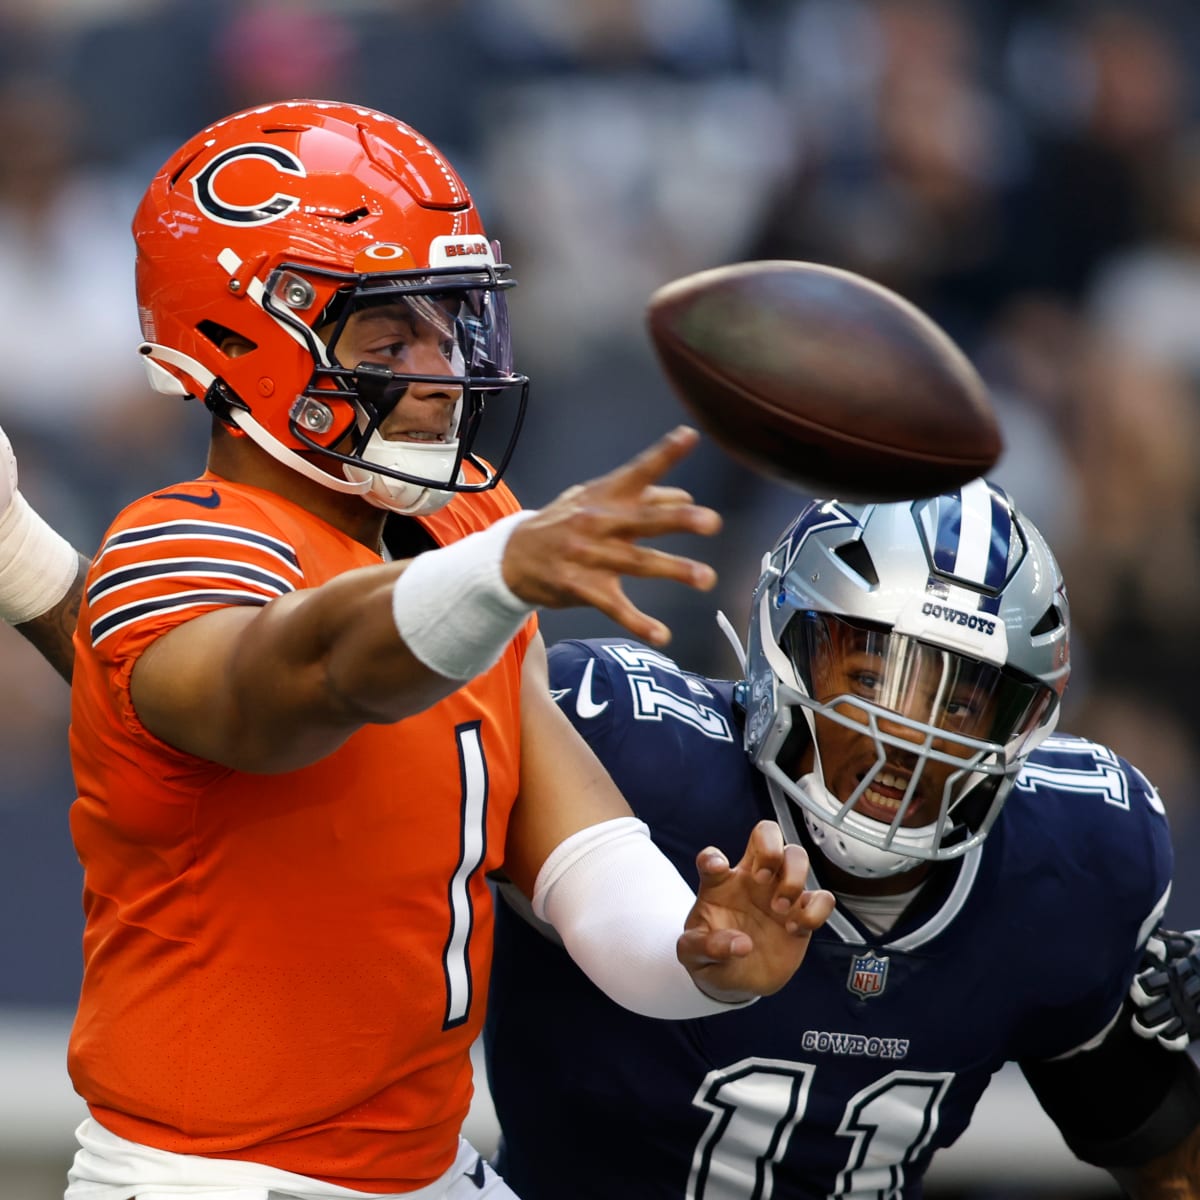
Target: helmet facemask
(903, 661)
(905, 752)
(465, 312)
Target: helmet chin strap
(843, 849)
(277, 450)
(726, 627)
(154, 355)
(393, 495)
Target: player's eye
(386, 349)
(866, 681)
(961, 709)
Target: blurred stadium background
(1028, 171)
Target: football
(822, 379)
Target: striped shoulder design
(171, 566)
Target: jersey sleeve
(163, 563)
(1111, 864)
(1157, 1103)
(581, 687)
(648, 720)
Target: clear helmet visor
(905, 747)
(417, 356)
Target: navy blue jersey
(845, 1082)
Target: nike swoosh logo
(585, 707)
(212, 500)
(476, 1174)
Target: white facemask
(854, 856)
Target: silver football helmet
(920, 650)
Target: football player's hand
(1166, 990)
(576, 550)
(751, 924)
(8, 473)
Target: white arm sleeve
(619, 906)
(37, 565)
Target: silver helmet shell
(961, 580)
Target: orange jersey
(284, 968)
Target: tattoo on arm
(51, 633)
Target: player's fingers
(702, 947)
(656, 520)
(1180, 1041)
(616, 605)
(790, 878)
(1155, 952)
(595, 518)
(764, 852)
(810, 911)
(712, 866)
(653, 462)
(644, 562)
(1139, 995)
(660, 494)
(1146, 1030)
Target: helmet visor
(376, 337)
(467, 327)
(942, 699)
(913, 743)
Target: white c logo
(268, 210)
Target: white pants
(108, 1167)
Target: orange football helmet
(285, 219)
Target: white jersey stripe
(130, 614)
(185, 568)
(183, 531)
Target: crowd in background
(1028, 173)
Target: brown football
(825, 380)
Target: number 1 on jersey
(456, 960)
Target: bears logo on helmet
(229, 213)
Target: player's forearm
(52, 632)
(276, 688)
(370, 672)
(379, 644)
(442, 619)
(1171, 1176)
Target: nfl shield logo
(868, 974)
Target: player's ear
(234, 345)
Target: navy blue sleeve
(670, 739)
(648, 721)
(1087, 834)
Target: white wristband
(37, 565)
(619, 906)
(452, 606)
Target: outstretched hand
(576, 549)
(751, 924)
